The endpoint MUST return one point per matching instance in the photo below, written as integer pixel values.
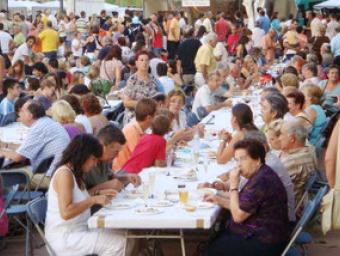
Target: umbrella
(330, 4)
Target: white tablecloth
(176, 217)
(13, 133)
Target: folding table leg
(126, 237)
(182, 242)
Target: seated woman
(296, 102)
(250, 71)
(93, 110)
(69, 205)
(273, 133)
(331, 90)
(259, 224)
(176, 101)
(63, 113)
(314, 111)
(241, 121)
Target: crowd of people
(55, 71)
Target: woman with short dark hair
(259, 223)
(69, 204)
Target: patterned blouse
(265, 198)
(136, 90)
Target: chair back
(44, 165)
(11, 178)
(36, 210)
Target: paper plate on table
(133, 194)
(204, 205)
(185, 175)
(148, 211)
(162, 203)
(121, 205)
(173, 198)
(206, 191)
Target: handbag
(330, 206)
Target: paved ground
(322, 246)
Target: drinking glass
(146, 191)
(152, 180)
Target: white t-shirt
(53, 20)
(153, 66)
(203, 98)
(77, 52)
(221, 50)
(5, 39)
(168, 84)
(257, 36)
(82, 119)
(20, 52)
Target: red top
(222, 29)
(151, 147)
(232, 42)
(158, 39)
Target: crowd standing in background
(57, 70)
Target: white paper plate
(204, 205)
(148, 211)
(121, 205)
(133, 194)
(162, 203)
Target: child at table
(151, 148)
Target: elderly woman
(310, 74)
(314, 111)
(63, 113)
(93, 110)
(274, 106)
(331, 89)
(273, 133)
(140, 85)
(296, 102)
(241, 121)
(259, 223)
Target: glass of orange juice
(183, 194)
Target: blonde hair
(93, 72)
(62, 112)
(314, 92)
(289, 79)
(275, 127)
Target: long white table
(13, 133)
(175, 217)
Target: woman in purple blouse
(259, 223)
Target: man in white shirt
(331, 26)
(199, 21)
(24, 51)
(52, 19)
(6, 41)
(258, 34)
(205, 95)
(167, 82)
(207, 22)
(316, 25)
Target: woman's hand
(224, 135)
(205, 185)
(134, 179)
(234, 178)
(101, 200)
(108, 192)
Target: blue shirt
(318, 123)
(264, 23)
(335, 45)
(45, 138)
(6, 106)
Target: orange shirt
(132, 133)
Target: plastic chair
(11, 180)
(310, 209)
(42, 169)
(36, 211)
(308, 186)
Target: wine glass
(152, 180)
(146, 191)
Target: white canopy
(24, 4)
(52, 4)
(330, 4)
